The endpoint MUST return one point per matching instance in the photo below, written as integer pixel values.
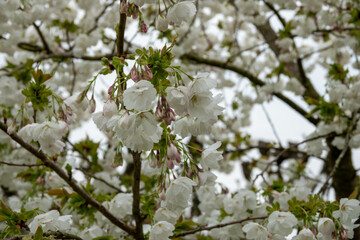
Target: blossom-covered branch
(78, 189)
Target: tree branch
(43, 40)
(100, 180)
(22, 164)
(296, 69)
(252, 79)
(121, 34)
(340, 157)
(136, 195)
(96, 20)
(287, 149)
(202, 228)
(77, 188)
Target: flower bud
(169, 163)
(135, 12)
(92, 105)
(148, 73)
(123, 7)
(11, 128)
(143, 27)
(134, 74)
(173, 153)
(111, 90)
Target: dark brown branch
(77, 188)
(276, 12)
(22, 164)
(43, 40)
(252, 79)
(29, 47)
(296, 69)
(136, 196)
(121, 34)
(339, 158)
(203, 228)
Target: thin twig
(203, 228)
(252, 79)
(190, 26)
(77, 188)
(99, 179)
(96, 20)
(286, 149)
(43, 40)
(271, 125)
(22, 164)
(83, 156)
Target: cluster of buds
(164, 111)
(172, 154)
(140, 73)
(130, 9)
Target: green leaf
(38, 234)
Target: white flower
(255, 231)
(137, 131)
(161, 231)
(121, 205)
(51, 221)
(140, 97)
(247, 198)
(178, 194)
(93, 232)
(178, 99)
(164, 214)
(283, 198)
(305, 234)
(210, 157)
(181, 12)
(281, 223)
(162, 24)
(207, 178)
(300, 190)
(47, 133)
(349, 210)
(326, 226)
(9, 91)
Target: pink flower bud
(343, 234)
(162, 196)
(134, 74)
(92, 105)
(39, 179)
(123, 7)
(111, 90)
(143, 27)
(169, 163)
(11, 128)
(148, 73)
(51, 177)
(173, 153)
(135, 12)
